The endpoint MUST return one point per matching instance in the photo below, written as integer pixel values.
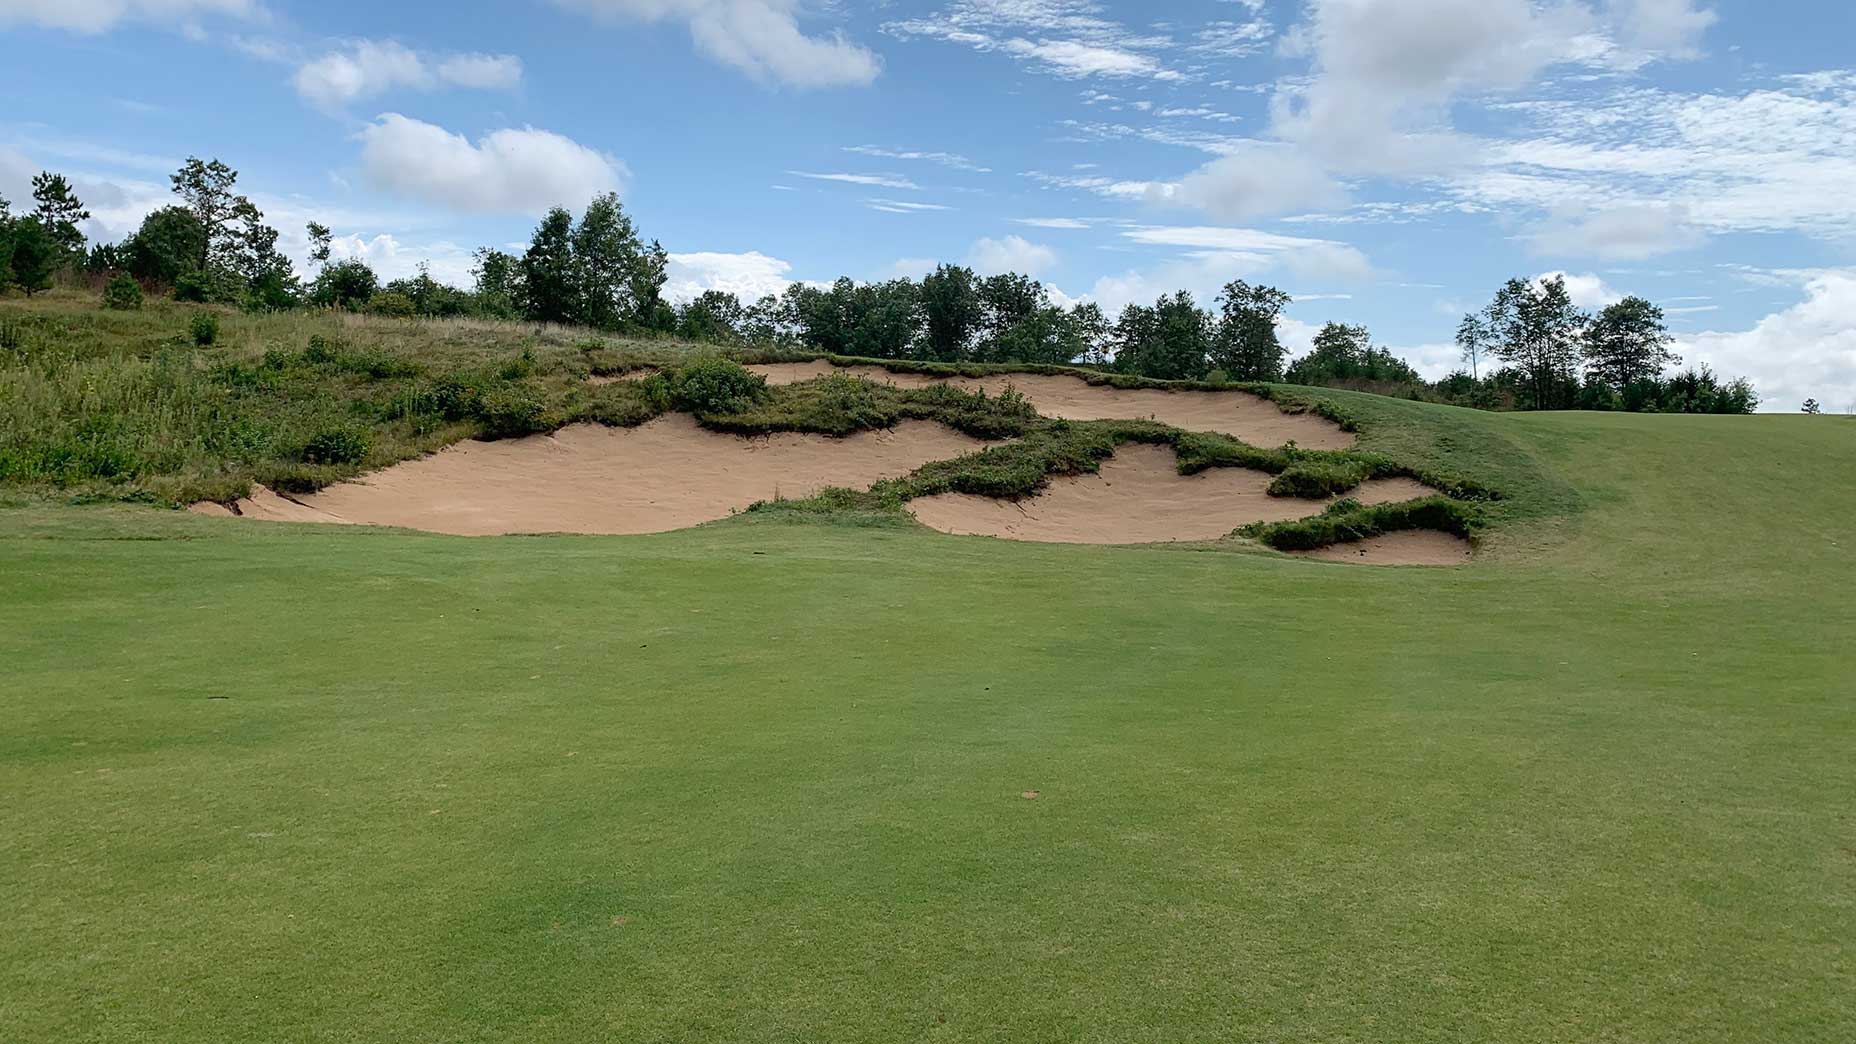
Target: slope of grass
(766, 780)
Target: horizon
(1386, 168)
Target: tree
(1536, 329)
(169, 245)
(551, 288)
(347, 283)
(1811, 408)
(1007, 300)
(1472, 339)
(321, 243)
(35, 255)
(6, 243)
(606, 255)
(1246, 347)
(649, 273)
(59, 212)
(1168, 341)
(713, 315)
(1092, 332)
(952, 311)
(206, 189)
(498, 282)
(1345, 353)
(1628, 344)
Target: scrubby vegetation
(178, 403)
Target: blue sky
(1389, 162)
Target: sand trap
(1139, 497)
(1411, 547)
(1239, 414)
(664, 475)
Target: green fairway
(769, 780)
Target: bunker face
(1239, 414)
(668, 474)
(1412, 547)
(1138, 497)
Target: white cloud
(522, 171)
(945, 159)
(368, 68)
(1588, 291)
(1060, 222)
(96, 16)
(1673, 27)
(748, 276)
(888, 181)
(758, 37)
(1065, 38)
(1805, 351)
(390, 259)
(1261, 180)
(896, 206)
(1214, 256)
(1627, 232)
(1010, 254)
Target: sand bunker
(1411, 547)
(664, 475)
(1239, 414)
(1138, 497)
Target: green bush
(716, 386)
(392, 304)
(1320, 479)
(123, 294)
(1347, 521)
(338, 446)
(205, 328)
(508, 412)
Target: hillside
(814, 772)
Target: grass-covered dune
(796, 776)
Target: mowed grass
(766, 780)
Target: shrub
(205, 328)
(392, 304)
(123, 294)
(510, 411)
(717, 385)
(338, 446)
(1320, 479)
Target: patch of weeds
(338, 446)
(715, 386)
(204, 328)
(1348, 521)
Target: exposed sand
(668, 474)
(1239, 414)
(1138, 497)
(1410, 547)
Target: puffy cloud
(96, 16)
(1628, 232)
(759, 37)
(368, 68)
(522, 171)
(1010, 254)
(1673, 27)
(1259, 180)
(1588, 291)
(748, 276)
(1805, 351)
(390, 259)
(1214, 256)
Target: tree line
(212, 245)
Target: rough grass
(764, 781)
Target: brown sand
(1412, 547)
(1138, 497)
(1239, 414)
(664, 475)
